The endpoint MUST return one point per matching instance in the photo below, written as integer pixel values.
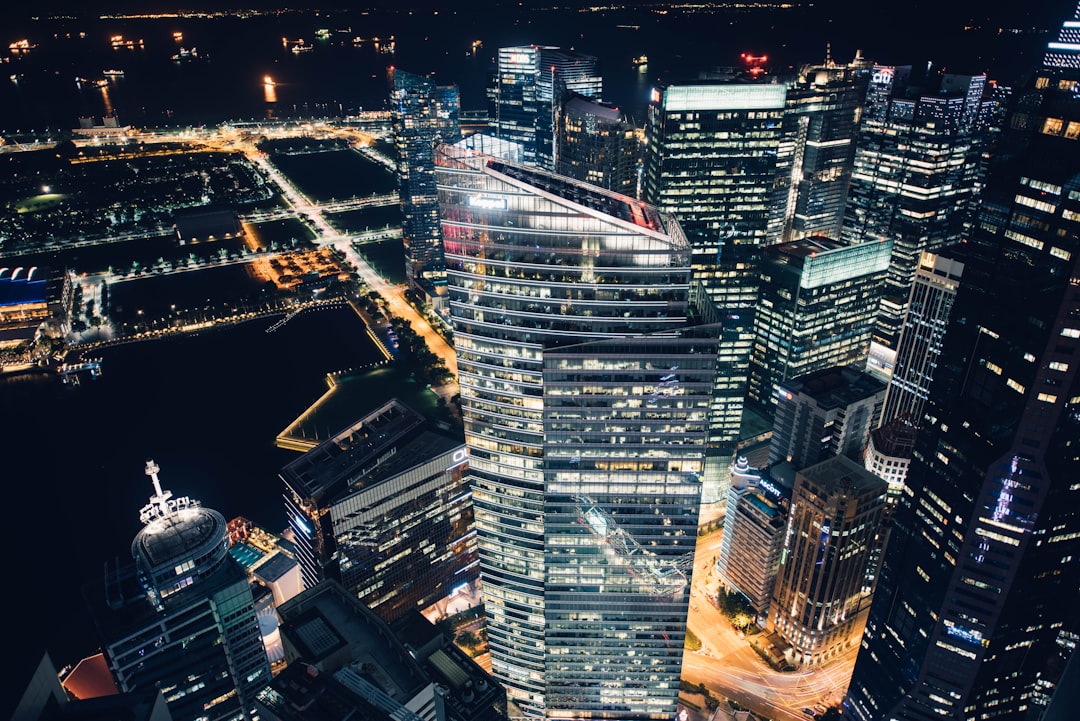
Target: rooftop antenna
(160, 498)
(828, 54)
(161, 503)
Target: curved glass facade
(585, 398)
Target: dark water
(339, 77)
(206, 408)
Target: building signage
(487, 202)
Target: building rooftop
(840, 474)
(20, 285)
(275, 567)
(581, 104)
(836, 387)
(624, 208)
(385, 442)
(331, 628)
(797, 251)
(179, 535)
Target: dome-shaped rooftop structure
(180, 542)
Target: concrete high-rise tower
(825, 413)
(921, 335)
(182, 616)
(818, 598)
(585, 391)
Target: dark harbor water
(221, 77)
(206, 408)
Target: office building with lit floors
(596, 143)
(826, 413)
(921, 334)
(975, 612)
(423, 114)
(836, 508)
(182, 617)
(711, 161)
(585, 391)
(754, 526)
(383, 507)
(917, 176)
(817, 310)
(529, 84)
(817, 151)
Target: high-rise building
(825, 413)
(888, 456)
(344, 661)
(818, 598)
(975, 610)
(923, 328)
(711, 161)
(530, 84)
(917, 174)
(597, 144)
(382, 506)
(817, 309)
(182, 617)
(422, 115)
(585, 394)
(754, 525)
(821, 121)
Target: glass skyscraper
(818, 304)
(530, 84)
(917, 176)
(817, 153)
(711, 161)
(422, 114)
(382, 507)
(585, 394)
(975, 613)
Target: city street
(730, 668)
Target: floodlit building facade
(585, 393)
(753, 539)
